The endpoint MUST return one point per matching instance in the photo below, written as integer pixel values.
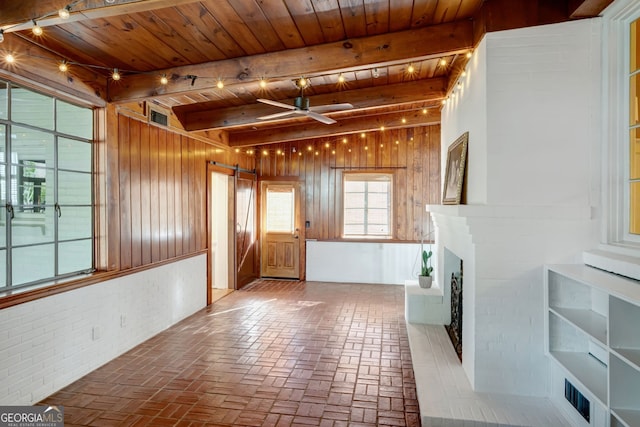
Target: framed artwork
(454, 174)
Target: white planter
(425, 281)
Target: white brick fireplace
(530, 101)
(503, 250)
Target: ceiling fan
(301, 106)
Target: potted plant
(425, 278)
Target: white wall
(48, 343)
(533, 185)
(219, 209)
(363, 262)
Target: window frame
(615, 180)
(391, 212)
(9, 123)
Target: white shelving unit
(593, 335)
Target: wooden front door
(281, 238)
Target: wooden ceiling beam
(18, 16)
(312, 129)
(375, 51)
(80, 82)
(361, 99)
(587, 8)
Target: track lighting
(63, 67)
(263, 83)
(116, 74)
(220, 84)
(9, 59)
(340, 78)
(443, 62)
(164, 80)
(411, 69)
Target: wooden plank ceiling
(393, 60)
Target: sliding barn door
(245, 246)
(281, 238)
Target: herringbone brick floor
(277, 353)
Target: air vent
(577, 399)
(158, 117)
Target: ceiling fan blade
(277, 115)
(276, 104)
(331, 107)
(320, 118)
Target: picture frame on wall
(455, 171)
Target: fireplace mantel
(516, 212)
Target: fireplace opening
(454, 330)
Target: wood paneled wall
(154, 202)
(412, 154)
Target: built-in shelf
(592, 333)
(630, 355)
(591, 372)
(626, 417)
(588, 321)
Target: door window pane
(28, 227)
(75, 222)
(31, 146)
(31, 107)
(32, 263)
(74, 188)
(74, 155)
(74, 120)
(280, 210)
(77, 256)
(3, 268)
(4, 100)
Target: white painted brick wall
(48, 343)
(363, 262)
(533, 169)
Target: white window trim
(619, 251)
(615, 151)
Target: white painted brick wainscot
(48, 343)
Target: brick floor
(278, 353)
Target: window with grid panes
(46, 182)
(367, 203)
